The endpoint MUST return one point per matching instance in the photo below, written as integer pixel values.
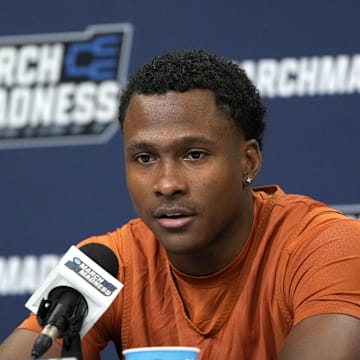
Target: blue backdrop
(304, 56)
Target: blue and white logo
(62, 88)
(87, 273)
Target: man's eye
(195, 155)
(144, 158)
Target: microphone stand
(64, 311)
(72, 347)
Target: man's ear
(252, 160)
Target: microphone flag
(77, 270)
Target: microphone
(79, 290)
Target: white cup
(162, 353)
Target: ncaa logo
(62, 88)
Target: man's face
(184, 165)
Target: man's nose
(170, 180)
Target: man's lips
(174, 223)
(173, 217)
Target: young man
(240, 272)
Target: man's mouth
(173, 218)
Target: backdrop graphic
(304, 57)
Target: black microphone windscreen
(103, 256)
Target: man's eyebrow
(138, 146)
(135, 146)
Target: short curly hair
(184, 70)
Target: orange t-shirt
(299, 260)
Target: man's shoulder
(133, 231)
(298, 215)
(134, 228)
(291, 204)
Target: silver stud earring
(248, 180)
